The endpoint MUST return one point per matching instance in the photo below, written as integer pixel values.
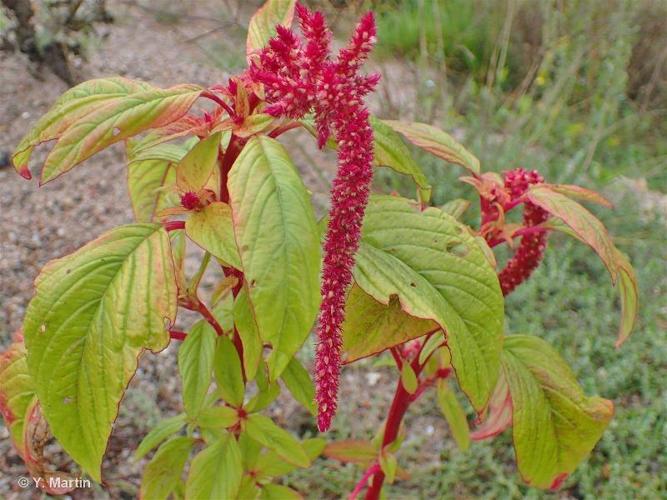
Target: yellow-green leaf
(217, 417)
(216, 472)
(72, 106)
(629, 289)
(390, 151)
(262, 26)
(212, 229)
(298, 381)
(352, 450)
(555, 425)
(197, 166)
(278, 492)
(151, 178)
(388, 464)
(436, 142)
(408, 378)
(244, 320)
(264, 431)
(453, 412)
(433, 265)
(195, 364)
(163, 473)
(371, 327)
(278, 242)
(162, 430)
(228, 372)
(93, 313)
(16, 390)
(114, 121)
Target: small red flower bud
(190, 200)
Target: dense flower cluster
(531, 249)
(299, 76)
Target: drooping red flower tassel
(531, 249)
(299, 78)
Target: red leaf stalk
(531, 249)
(301, 77)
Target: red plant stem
(226, 161)
(198, 306)
(399, 405)
(396, 353)
(373, 469)
(173, 225)
(210, 95)
(284, 128)
(177, 335)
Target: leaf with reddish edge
(262, 26)
(498, 413)
(573, 191)
(116, 121)
(585, 225)
(436, 142)
(16, 389)
(628, 287)
(437, 270)
(163, 473)
(73, 105)
(92, 315)
(370, 326)
(629, 297)
(555, 425)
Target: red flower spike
(532, 246)
(299, 78)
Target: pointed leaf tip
(24, 172)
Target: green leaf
(72, 106)
(278, 492)
(388, 464)
(266, 394)
(371, 327)
(277, 238)
(390, 151)
(195, 364)
(408, 378)
(244, 319)
(216, 472)
(555, 424)
(151, 188)
(212, 229)
(584, 224)
(159, 433)
(116, 121)
(270, 465)
(436, 142)
(298, 381)
(454, 414)
(217, 417)
(456, 208)
(16, 390)
(263, 430)
(434, 342)
(92, 315)
(354, 451)
(228, 372)
(163, 472)
(262, 26)
(197, 166)
(437, 270)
